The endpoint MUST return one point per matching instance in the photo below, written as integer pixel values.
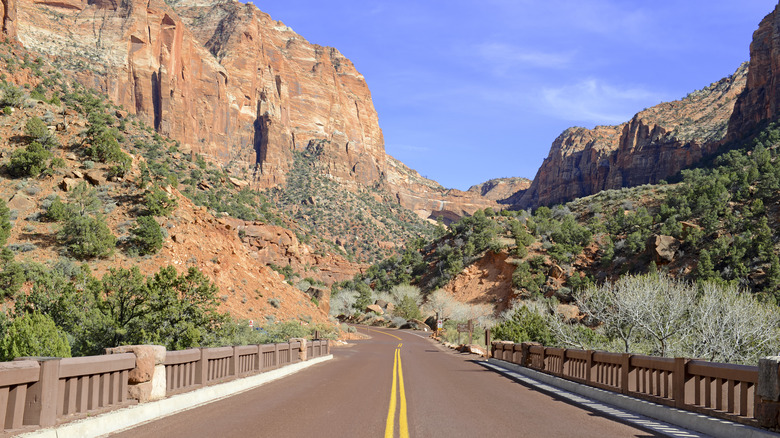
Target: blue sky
(467, 91)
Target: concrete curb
(132, 416)
(701, 423)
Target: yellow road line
(384, 333)
(404, 425)
(398, 380)
(390, 423)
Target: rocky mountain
(228, 81)
(761, 99)
(500, 189)
(655, 144)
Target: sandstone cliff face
(8, 17)
(500, 189)
(761, 99)
(231, 83)
(427, 198)
(654, 145)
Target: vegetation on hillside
(362, 223)
(112, 205)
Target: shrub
(29, 161)
(147, 235)
(35, 128)
(158, 203)
(13, 97)
(87, 237)
(524, 325)
(34, 334)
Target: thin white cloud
(595, 101)
(504, 58)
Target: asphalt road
(398, 384)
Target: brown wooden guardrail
(39, 392)
(720, 390)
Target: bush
(29, 161)
(147, 235)
(87, 237)
(34, 334)
(524, 325)
(13, 97)
(35, 128)
(158, 203)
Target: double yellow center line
(398, 381)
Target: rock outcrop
(231, 83)
(8, 17)
(501, 189)
(761, 100)
(657, 143)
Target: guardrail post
(259, 358)
(588, 366)
(767, 407)
(202, 368)
(679, 378)
(625, 369)
(41, 404)
(524, 355)
(327, 346)
(234, 362)
(543, 364)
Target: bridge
(396, 384)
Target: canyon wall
(761, 100)
(655, 144)
(231, 83)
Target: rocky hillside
(228, 81)
(655, 144)
(233, 253)
(501, 189)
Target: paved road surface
(438, 393)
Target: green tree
(407, 308)
(29, 161)
(34, 334)
(123, 297)
(5, 222)
(158, 203)
(147, 235)
(182, 308)
(87, 237)
(524, 325)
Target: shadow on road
(556, 397)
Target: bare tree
(728, 325)
(658, 305)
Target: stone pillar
(301, 351)
(146, 382)
(768, 393)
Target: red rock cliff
(654, 145)
(761, 99)
(229, 82)
(8, 17)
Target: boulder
(664, 248)
(20, 202)
(146, 358)
(381, 303)
(239, 184)
(376, 309)
(568, 311)
(68, 184)
(95, 177)
(556, 272)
